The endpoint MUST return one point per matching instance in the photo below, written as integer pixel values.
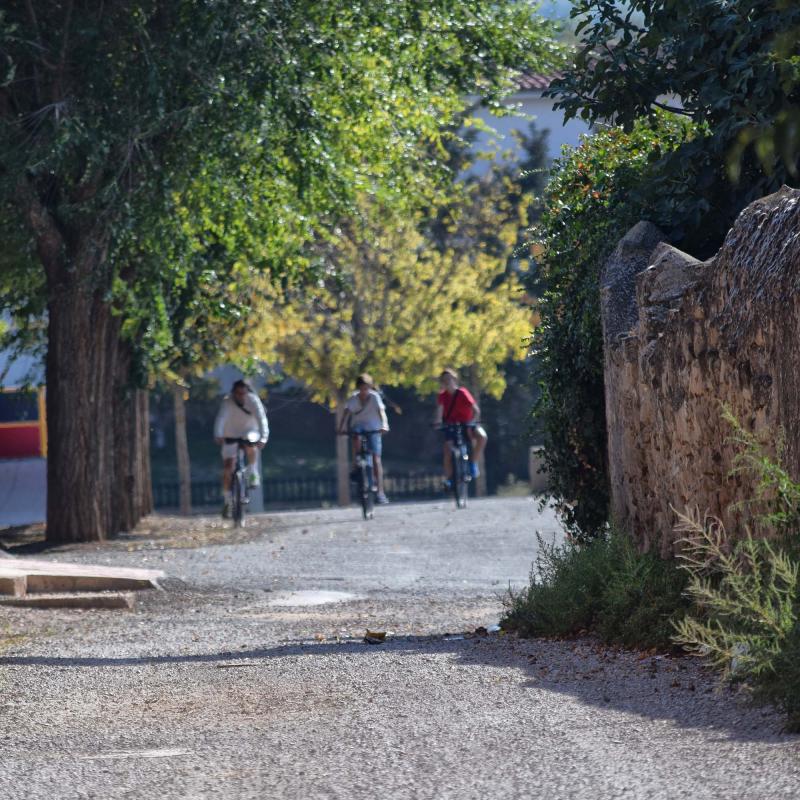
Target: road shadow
(677, 690)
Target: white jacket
(235, 422)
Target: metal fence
(300, 491)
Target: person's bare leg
(447, 455)
(227, 473)
(377, 466)
(479, 439)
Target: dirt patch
(155, 532)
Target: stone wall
(682, 339)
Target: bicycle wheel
(237, 506)
(365, 491)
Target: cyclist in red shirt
(454, 403)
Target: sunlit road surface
(249, 677)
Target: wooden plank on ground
(55, 581)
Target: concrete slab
(80, 600)
(52, 576)
(13, 582)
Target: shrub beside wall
(596, 192)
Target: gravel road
(248, 677)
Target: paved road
(233, 684)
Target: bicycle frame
(240, 491)
(365, 464)
(460, 451)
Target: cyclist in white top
(241, 413)
(364, 411)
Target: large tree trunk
(182, 451)
(342, 457)
(82, 344)
(98, 461)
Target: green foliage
(195, 141)
(747, 611)
(596, 192)
(733, 66)
(606, 586)
(389, 302)
(746, 594)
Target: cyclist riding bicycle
(455, 404)
(364, 412)
(241, 413)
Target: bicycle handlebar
(357, 433)
(443, 426)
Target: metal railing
(300, 491)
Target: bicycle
(456, 436)
(240, 489)
(364, 472)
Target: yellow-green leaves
(390, 303)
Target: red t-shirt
(458, 408)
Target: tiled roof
(532, 81)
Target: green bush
(745, 619)
(642, 599)
(606, 586)
(734, 601)
(588, 205)
(746, 594)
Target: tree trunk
(342, 457)
(144, 493)
(132, 492)
(182, 451)
(98, 461)
(82, 346)
(98, 470)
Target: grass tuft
(606, 586)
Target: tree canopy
(137, 138)
(729, 67)
(388, 302)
